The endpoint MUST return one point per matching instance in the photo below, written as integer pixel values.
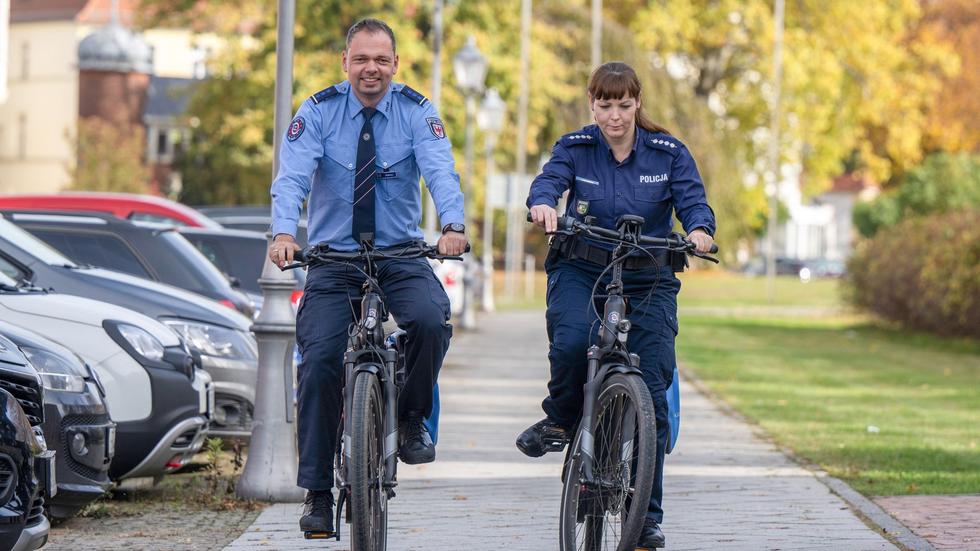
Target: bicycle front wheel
(607, 513)
(368, 498)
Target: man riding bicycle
(357, 149)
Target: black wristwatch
(455, 226)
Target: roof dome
(114, 48)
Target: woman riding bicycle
(623, 164)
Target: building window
(22, 136)
(163, 143)
(25, 60)
(199, 58)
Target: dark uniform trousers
(419, 304)
(572, 327)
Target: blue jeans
(572, 327)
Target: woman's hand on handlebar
(282, 249)
(545, 216)
(702, 241)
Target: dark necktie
(362, 227)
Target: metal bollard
(272, 464)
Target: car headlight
(211, 340)
(138, 342)
(56, 372)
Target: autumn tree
(109, 158)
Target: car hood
(82, 311)
(25, 337)
(179, 303)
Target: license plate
(44, 465)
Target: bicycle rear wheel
(608, 513)
(368, 498)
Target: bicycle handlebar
(571, 225)
(309, 255)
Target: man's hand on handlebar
(282, 249)
(545, 216)
(702, 241)
(452, 243)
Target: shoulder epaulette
(411, 94)
(577, 138)
(326, 93)
(665, 142)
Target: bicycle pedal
(318, 535)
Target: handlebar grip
(299, 256)
(713, 249)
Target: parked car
(148, 251)
(251, 218)
(76, 421)
(218, 336)
(155, 393)
(240, 254)
(145, 208)
(26, 465)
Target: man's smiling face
(370, 63)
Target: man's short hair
(372, 26)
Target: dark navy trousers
(419, 305)
(572, 327)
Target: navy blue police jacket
(658, 178)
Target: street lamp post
(490, 118)
(471, 70)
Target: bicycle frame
(608, 357)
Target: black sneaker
(417, 446)
(317, 512)
(652, 537)
(542, 437)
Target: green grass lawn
(888, 411)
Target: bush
(923, 273)
(942, 183)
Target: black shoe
(317, 512)
(417, 446)
(652, 537)
(542, 437)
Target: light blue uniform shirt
(318, 155)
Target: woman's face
(615, 117)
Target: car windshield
(194, 271)
(33, 245)
(6, 281)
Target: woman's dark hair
(616, 80)
(371, 26)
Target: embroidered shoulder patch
(436, 127)
(296, 129)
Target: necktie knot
(368, 112)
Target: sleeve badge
(436, 127)
(296, 129)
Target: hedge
(923, 273)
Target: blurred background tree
(109, 157)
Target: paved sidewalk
(726, 488)
(947, 522)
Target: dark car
(240, 254)
(26, 465)
(149, 251)
(251, 218)
(218, 336)
(76, 421)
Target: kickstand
(341, 499)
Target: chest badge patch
(296, 129)
(436, 127)
(582, 207)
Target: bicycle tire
(368, 498)
(583, 525)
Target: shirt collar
(354, 105)
(602, 140)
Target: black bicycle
(374, 373)
(608, 472)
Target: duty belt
(579, 249)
